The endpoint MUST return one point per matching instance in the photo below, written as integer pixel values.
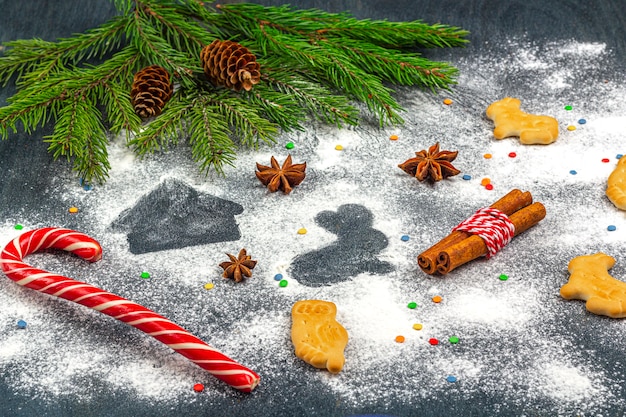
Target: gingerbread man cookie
(590, 281)
(532, 129)
(616, 185)
(318, 338)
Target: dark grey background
(24, 187)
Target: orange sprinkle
(487, 156)
(447, 101)
(400, 339)
(437, 299)
(73, 209)
(485, 181)
(393, 137)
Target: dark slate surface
(489, 21)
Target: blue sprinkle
(467, 177)
(611, 228)
(451, 378)
(278, 277)
(405, 238)
(573, 172)
(619, 156)
(582, 121)
(21, 324)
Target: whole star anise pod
(433, 163)
(282, 178)
(238, 267)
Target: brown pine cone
(151, 89)
(230, 64)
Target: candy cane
(157, 326)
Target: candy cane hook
(157, 326)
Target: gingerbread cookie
(532, 129)
(318, 338)
(616, 185)
(590, 281)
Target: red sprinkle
(433, 341)
(512, 154)
(198, 387)
(489, 186)
(605, 160)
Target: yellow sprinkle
(339, 148)
(417, 326)
(437, 299)
(73, 209)
(208, 286)
(571, 127)
(485, 181)
(447, 101)
(302, 231)
(393, 137)
(487, 156)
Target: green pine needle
(314, 64)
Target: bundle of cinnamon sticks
(461, 247)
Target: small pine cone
(230, 64)
(151, 89)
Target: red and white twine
(492, 226)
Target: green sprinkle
(283, 283)
(18, 227)
(454, 340)
(145, 275)
(503, 277)
(412, 305)
(568, 107)
(289, 145)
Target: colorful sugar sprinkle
(278, 277)
(606, 160)
(487, 156)
(418, 326)
(485, 181)
(619, 156)
(283, 283)
(18, 227)
(581, 121)
(611, 228)
(447, 101)
(290, 145)
(208, 286)
(573, 172)
(437, 299)
(73, 210)
(302, 231)
(145, 275)
(503, 277)
(571, 128)
(568, 107)
(198, 387)
(451, 379)
(512, 154)
(21, 324)
(433, 341)
(412, 305)
(405, 238)
(453, 339)
(393, 137)
(489, 187)
(399, 339)
(339, 148)
(466, 177)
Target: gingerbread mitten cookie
(318, 338)
(590, 281)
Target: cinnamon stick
(509, 204)
(474, 246)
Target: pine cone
(150, 91)
(230, 64)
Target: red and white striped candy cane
(157, 326)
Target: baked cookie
(590, 281)
(509, 121)
(616, 185)
(318, 338)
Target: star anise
(238, 267)
(282, 178)
(433, 163)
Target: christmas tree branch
(312, 64)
